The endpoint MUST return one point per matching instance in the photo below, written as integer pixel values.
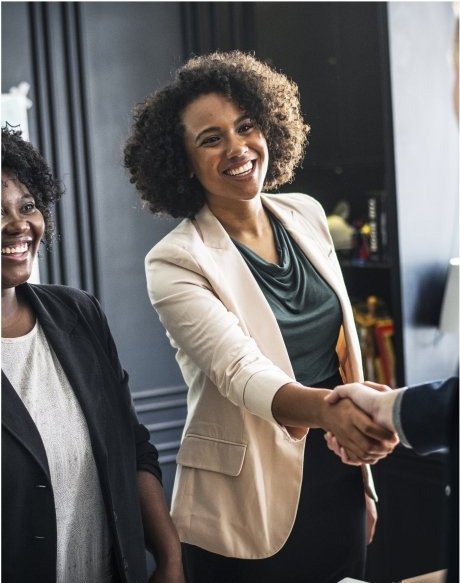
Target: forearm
(297, 406)
(160, 533)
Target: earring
(191, 175)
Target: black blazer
(429, 419)
(428, 415)
(78, 332)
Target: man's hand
(364, 440)
(372, 398)
(375, 399)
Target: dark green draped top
(306, 308)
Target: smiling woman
(250, 292)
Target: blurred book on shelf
(365, 241)
(377, 218)
(375, 330)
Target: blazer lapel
(16, 420)
(322, 257)
(237, 289)
(76, 356)
(307, 239)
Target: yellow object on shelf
(375, 330)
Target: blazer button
(37, 537)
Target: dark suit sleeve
(146, 452)
(429, 415)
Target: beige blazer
(239, 472)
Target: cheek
(39, 225)
(197, 165)
(205, 166)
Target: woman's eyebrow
(217, 128)
(210, 129)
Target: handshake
(376, 436)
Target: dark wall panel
(17, 63)
(128, 50)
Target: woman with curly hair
(79, 476)
(251, 295)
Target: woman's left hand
(371, 518)
(340, 451)
(346, 456)
(172, 574)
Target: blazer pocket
(214, 455)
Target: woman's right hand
(364, 440)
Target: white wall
(426, 160)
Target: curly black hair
(155, 152)
(30, 168)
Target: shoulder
(299, 209)
(63, 293)
(297, 202)
(65, 298)
(180, 246)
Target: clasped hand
(355, 430)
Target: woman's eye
(29, 207)
(246, 127)
(210, 141)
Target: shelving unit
(341, 67)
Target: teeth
(240, 170)
(18, 249)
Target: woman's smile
(242, 170)
(16, 250)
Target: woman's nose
(15, 224)
(236, 147)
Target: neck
(10, 303)
(17, 316)
(242, 217)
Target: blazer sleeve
(429, 415)
(146, 453)
(200, 325)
